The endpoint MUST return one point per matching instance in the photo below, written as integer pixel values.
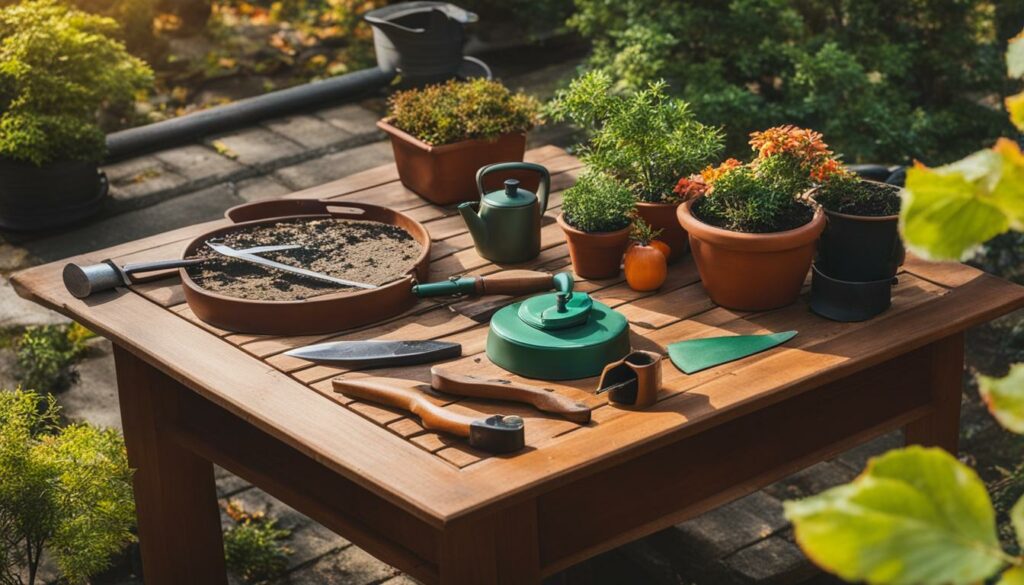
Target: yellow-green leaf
(1015, 56)
(951, 210)
(916, 516)
(1017, 519)
(1015, 105)
(1015, 576)
(1005, 397)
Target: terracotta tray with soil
(353, 241)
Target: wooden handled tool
(541, 399)
(496, 434)
(508, 282)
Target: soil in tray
(360, 251)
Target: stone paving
(747, 541)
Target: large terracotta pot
(595, 254)
(662, 216)
(751, 272)
(446, 174)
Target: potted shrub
(595, 218)
(753, 231)
(861, 241)
(645, 139)
(58, 68)
(441, 134)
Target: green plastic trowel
(564, 335)
(694, 355)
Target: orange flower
(803, 143)
(690, 187)
(829, 168)
(711, 174)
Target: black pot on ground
(845, 301)
(49, 196)
(858, 248)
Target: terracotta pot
(751, 272)
(662, 216)
(446, 174)
(595, 254)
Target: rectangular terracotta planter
(446, 174)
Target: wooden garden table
(193, 395)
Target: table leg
(175, 494)
(499, 548)
(944, 378)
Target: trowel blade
(694, 355)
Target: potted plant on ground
(645, 263)
(596, 218)
(753, 231)
(645, 139)
(441, 134)
(58, 68)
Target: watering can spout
(477, 227)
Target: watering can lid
(396, 11)
(510, 196)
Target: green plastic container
(557, 336)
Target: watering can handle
(545, 178)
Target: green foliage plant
(253, 547)
(646, 139)
(918, 516)
(845, 192)
(597, 203)
(462, 110)
(58, 68)
(64, 490)
(46, 355)
(885, 81)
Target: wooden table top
(440, 479)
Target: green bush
(46, 354)
(645, 139)
(846, 193)
(597, 203)
(462, 110)
(58, 68)
(67, 491)
(886, 81)
(253, 547)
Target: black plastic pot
(50, 196)
(859, 248)
(845, 301)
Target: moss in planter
(462, 110)
(844, 192)
(597, 203)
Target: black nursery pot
(845, 301)
(857, 248)
(49, 196)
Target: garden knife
(225, 250)
(377, 353)
(496, 433)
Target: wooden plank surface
(440, 478)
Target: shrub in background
(887, 82)
(462, 110)
(64, 490)
(253, 547)
(46, 355)
(58, 68)
(597, 203)
(646, 138)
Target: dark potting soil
(790, 218)
(869, 199)
(360, 251)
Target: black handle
(160, 265)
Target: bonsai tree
(462, 110)
(64, 490)
(58, 68)
(645, 139)
(597, 203)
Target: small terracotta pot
(595, 254)
(662, 216)
(446, 174)
(751, 272)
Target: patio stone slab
(773, 561)
(309, 131)
(94, 397)
(351, 566)
(199, 163)
(727, 529)
(812, 480)
(17, 312)
(352, 118)
(258, 188)
(335, 165)
(256, 147)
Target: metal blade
(265, 249)
(377, 353)
(232, 253)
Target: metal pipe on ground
(192, 127)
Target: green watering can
(507, 227)
(563, 335)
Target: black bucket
(845, 301)
(858, 248)
(49, 196)
(421, 40)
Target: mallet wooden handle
(391, 392)
(541, 399)
(514, 282)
